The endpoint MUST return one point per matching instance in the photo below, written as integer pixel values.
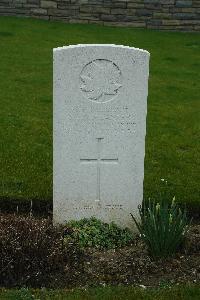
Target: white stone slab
(100, 105)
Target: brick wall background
(157, 14)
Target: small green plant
(163, 227)
(25, 294)
(95, 233)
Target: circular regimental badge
(100, 80)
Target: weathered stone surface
(95, 9)
(161, 15)
(60, 12)
(14, 11)
(155, 22)
(183, 3)
(189, 22)
(118, 5)
(152, 1)
(34, 2)
(196, 3)
(48, 4)
(64, 6)
(135, 5)
(182, 16)
(111, 18)
(85, 16)
(167, 2)
(153, 7)
(100, 104)
(121, 1)
(184, 10)
(144, 12)
(39, 11)
(123, 12)
(17, 5)
(171, 22)
(129, 18)
(4, 1)
(77, 21)
(19, 1)
(28, 5)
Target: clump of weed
(95, 233)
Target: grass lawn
(107, 293)
(173, 127)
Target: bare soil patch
(32, 252)
(133, 265)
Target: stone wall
(157, 14)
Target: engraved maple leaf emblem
(100, 77)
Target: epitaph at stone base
(100, 104)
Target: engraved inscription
(108, 206)
(100, 80)
(114, 206)
(98, 161)
(101, 120)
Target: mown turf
(188, 292)
(173, 123)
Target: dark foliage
(39, 208)
(32, 253)
(163, 227)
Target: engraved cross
(98, 161)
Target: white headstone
(100, 104)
